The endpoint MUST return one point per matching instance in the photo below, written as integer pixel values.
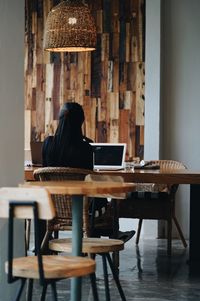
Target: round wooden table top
(93, 188)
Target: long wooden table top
(161, 176)
(93, 188)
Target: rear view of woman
(68, 147)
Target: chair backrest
(169, 164)
(164, 165)
(62, 203)
(25, 203)
(60, 173)
(25, 195)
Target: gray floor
(146, 273)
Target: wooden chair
(94, 246)
(36, 204)
(63, 205)
(103, 225)
(154, 201)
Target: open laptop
(36, 153)
(109, 156)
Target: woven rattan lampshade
(70, 27)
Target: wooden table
(28, 173)
(78, 189)
(164, 176)
(185, 176)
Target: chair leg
(54, 291)
(56, 234)
(92, 256)
(169, 237)
(44, 244)
(105, 272)
(138, 231)
(116, 278)
(180, 232)
(29, 289)
(94, 286)
(27, 234)
(115, 257)
(20, 290)
(44, 290)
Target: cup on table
(129, 165)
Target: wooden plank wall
(108, 82)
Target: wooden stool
(36, 203)
(95, 246)
(54, 268)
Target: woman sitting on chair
(69, 148)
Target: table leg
(77, 223)
(194, 252)
(115, 255)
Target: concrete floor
(146, 273)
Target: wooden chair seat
(55, 267)
(90, 245)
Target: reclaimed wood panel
(113, 111)
(140, 94)
(40, 103)
(109, 82)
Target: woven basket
(70, 27)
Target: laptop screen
(36, 153)
(109, 155)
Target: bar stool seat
(90, 245)
(93, 246)
(55, 267)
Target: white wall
(152, 80)
(172, 103)
(152, 94)
(181, 80)
(11, 116)
(181, 90)
(152, 103)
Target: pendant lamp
(70, 27)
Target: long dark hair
(68, 133)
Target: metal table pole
(77, 234)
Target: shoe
(126, 236)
